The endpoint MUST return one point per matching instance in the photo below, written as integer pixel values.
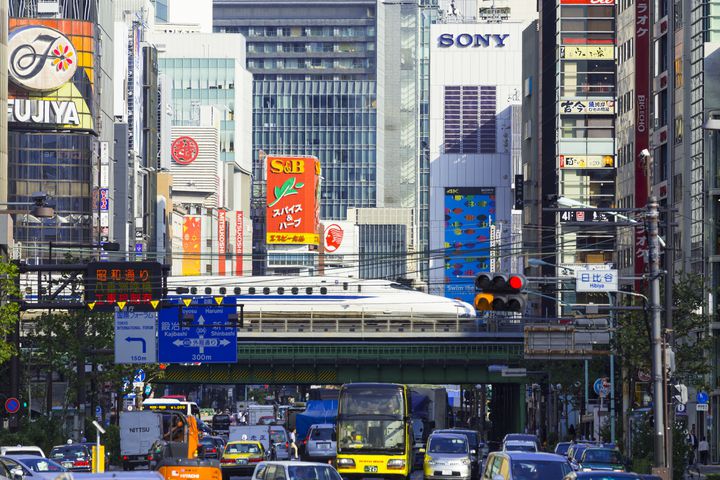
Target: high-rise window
(470, 119)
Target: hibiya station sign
(51, 81)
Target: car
(520, 446)
(575, 452)
(526, 437)
(607, 459)
(241, 457)
(32, 467)
(321, 442)
(475, 446)
(605, 476)
(290, 470)
(74, 457)
(221, 423)
(525, 466)
(562, 447)
(212, 447)
(267, 420)
(447, 456)
(22, 450)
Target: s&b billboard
(293, 200)
(51, 66)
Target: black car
(212, 447)
(74, 457)
(221, 423)
(475, 444)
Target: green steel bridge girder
(329, 363)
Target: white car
(520, 446)
(295, 471)
(22, 450)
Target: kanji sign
(184, 150)
(107, 283)
(588, 107)
(596, 280)
(586, 52)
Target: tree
(9, 308)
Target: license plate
(67, 464)
(323, 446)
(241, 461)
(371, 469)
(447, 472)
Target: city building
(58, 124)
(572, 85)
(208, 70)
(475, 94)
(5, 221)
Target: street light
(40, 206)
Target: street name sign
(702, 407)
(214, 343)
(514, 372)
(135, 336)
(596, 280)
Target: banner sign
(222, 240)
(192, 229)
(587, 52)
(642, 124)
(293, 200)
(239, 242)
(587, 161)
(587, 107)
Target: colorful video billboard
(469, 216)
(293, 200)
(51, 71)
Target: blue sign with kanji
(209, 337)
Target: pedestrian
(704, 449)
(293, 444)
(692, 444)
(571, 432)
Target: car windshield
(74, 451)
(520, 447)
(447, 445)
(312, 472)
(562, 448)
(539, 470)
(602, 456)
(372, 401)
(278, 436)
(42, 465)
(578, 451)
(321, 434)
(375, 435)
(242, 448)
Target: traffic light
(500, 292)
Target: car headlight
(466, 461)
(429, 460)
(586, 469)
(346, 462)
(396, 464)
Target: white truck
(138, 431)
(274, 438)
(256, 412)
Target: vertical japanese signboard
(239, 251)
(293, 199)
(469, 216)
(642, 122)
(222, 240)
(192, 230)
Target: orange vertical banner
(192, 230)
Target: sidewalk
(699, 471)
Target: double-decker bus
(374, 431)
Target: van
(274, 438)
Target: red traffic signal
(500, 292)
(492, 282)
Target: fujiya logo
(472, 40)
(333, 237)
(41, 58)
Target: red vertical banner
(239, 243)
(222, 241)
(642, 124)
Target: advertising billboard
(192, 239)
(588, 107)
(587, 161)
(642, 124)
(587, 52)
(51, 71)
(469, 216)
(293, 200)
(222, 240)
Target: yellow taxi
(241, 457)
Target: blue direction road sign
(139, 375)
(702, 397)
(198, 343)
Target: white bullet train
(322, 296)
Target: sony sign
(475, 40)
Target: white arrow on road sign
(201, 343)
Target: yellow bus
(374, 431)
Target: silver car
(321, 442)
(447, 456)
(28, 467)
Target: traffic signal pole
(652, 217)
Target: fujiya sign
(24, 110)
(473, 40)
(41, 58)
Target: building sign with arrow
(199, 329)
(135, 336)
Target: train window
(308, 290)
(237, 290)
(251, 290)
(223, 290)
(266, 291)
(208, 290)
(323, 290)
(193, 290)
(345, 285)
(359, 288)
(280, 290)
(294, 290)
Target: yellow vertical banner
(192, 229)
